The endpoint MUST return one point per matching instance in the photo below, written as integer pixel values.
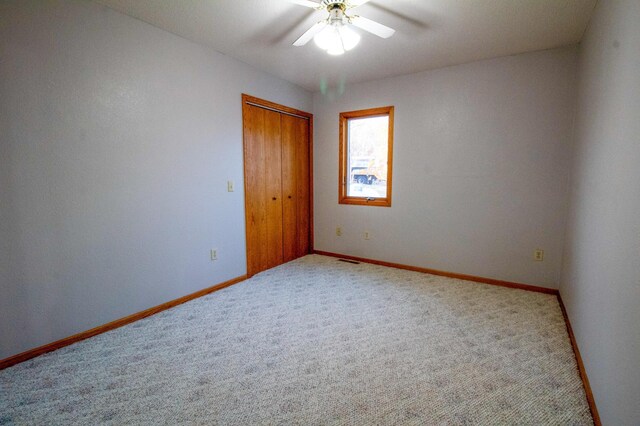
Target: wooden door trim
(248, 100)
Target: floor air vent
(349, 261)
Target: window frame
(343, 161)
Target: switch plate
(339, 231)
(214, 254)
(230, 186)
(538, 255)
(367, 235)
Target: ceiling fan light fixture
(350, 38)
(327, 38)
(336, 39)
(334, 34)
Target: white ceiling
(429, 33)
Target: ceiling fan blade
(304, 38)
(372, 26)
(307, 3)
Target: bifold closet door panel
(303, 187)
(290, 140)
(255, 190)
(273, 184)
(262, 185)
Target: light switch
(229, 186)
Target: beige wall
(116, 146)
(601, 274)
(481, 159)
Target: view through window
(368, 157)
(366, 148)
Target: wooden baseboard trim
(444, 273)
(32, 353)
(583, 373)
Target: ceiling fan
(334, 34)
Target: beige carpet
(317, 341)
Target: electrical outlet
(230, 186)
(538, 255)
(214, 254)
(339, 231)
(367, 235)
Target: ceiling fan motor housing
(332, 5)
(336, 9)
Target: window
(366, 152)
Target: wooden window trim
(343, 161)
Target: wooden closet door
(273, 177)
(303, 187)
(277, 183)
(263, 192)
(295, 186)
(289, 187)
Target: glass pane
(367, 157)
